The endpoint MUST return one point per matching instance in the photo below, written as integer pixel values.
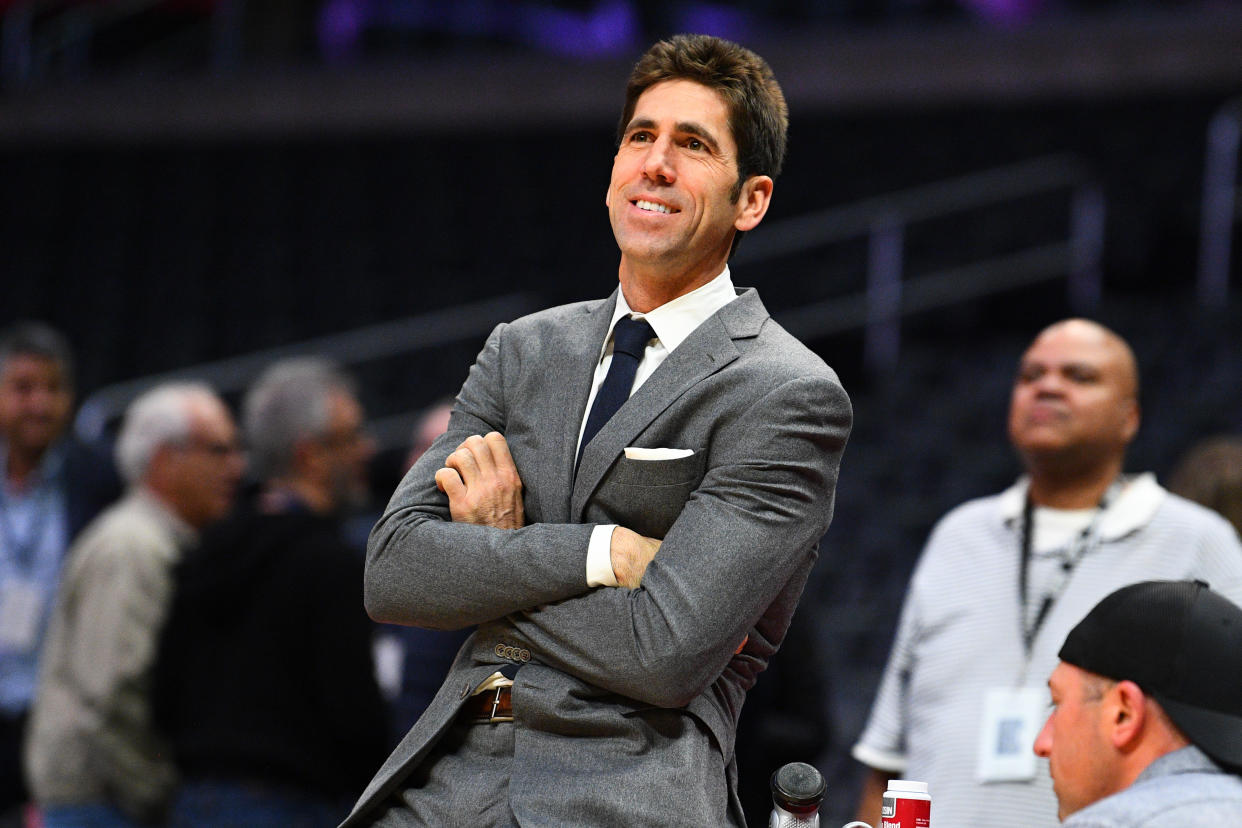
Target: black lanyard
(1082, 543)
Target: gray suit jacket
(628, 705)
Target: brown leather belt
(488, 706)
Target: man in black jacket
(266, 683)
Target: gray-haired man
(92, 756)
(265, 682)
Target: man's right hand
(482, 483)
(631, 552)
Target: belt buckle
(496, 704)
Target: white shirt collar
(674, 321)
(1136, 505)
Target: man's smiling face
(670, 199)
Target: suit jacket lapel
(571, 370)
(703, 353)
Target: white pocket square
(636, 453)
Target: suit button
(510, 653)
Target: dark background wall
(172, 253)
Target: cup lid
(907, 786)
(798, 783)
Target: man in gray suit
(631, 571)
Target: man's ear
(1126, 711)
(753, 202)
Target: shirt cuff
(599, 557)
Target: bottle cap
(798, 784)
(907, 786)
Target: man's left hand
(482, 483)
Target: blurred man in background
(51, 487)
(1003, 578)
(1146, 724)
(265, 683)
(1210, 473)
(433, 422)
(93, 757)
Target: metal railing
(883, 221)
(889, 293)
(39, 36)
(102, 409)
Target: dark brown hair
(758, 116)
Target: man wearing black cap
(1146, 725)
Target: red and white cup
(906, 804)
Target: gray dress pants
(464, 781)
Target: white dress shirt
(672, 322)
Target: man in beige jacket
(92, 756)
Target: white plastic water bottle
(797, 791)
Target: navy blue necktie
(629, 340)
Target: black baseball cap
(1182, 644)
